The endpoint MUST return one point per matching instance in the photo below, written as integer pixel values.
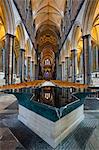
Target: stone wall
(25, 10)
(72, 9)
(51, 132)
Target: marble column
(63, 70)
(9, 53)
(21, 64)
(18, 67)
(74, 64)
(87, 58)
(32, 67)
(70, 69)
(97, 59)
(28, 67)
(14, 67)
(36, 72)
(3, 60)
(58, 68)
(33, 70)
(57, 63)
(67, 67)
(81, 64)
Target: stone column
(32, 67)
(87, 58)
(21, 64)
(74, 64)
(57, 63)
(18, 67)
(36, 71)
(28, 67)
(63, 70)
(3, 60)
(37, 65)
(25, 69)
(33, 70)
(9, 52)
(81, 64)
(14, 67)
(70, 69)
(58, 68)
(97, 59)
(67, 67)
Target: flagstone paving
(14, 135)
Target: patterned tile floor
(8, 140)
(91, 104)
(13, 134)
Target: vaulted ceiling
(49, 12)
(47, 17)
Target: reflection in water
(53, 96)
(48, 96)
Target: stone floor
(6, 100)
(14, 135)
(92, 104)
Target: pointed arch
(68, 47)
(8, 16)
(76, 34)
(27, 48)
(89, 16)
(19, 32)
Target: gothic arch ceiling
(49, 11)
(47, 17)
(47, 37)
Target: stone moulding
(51, 132)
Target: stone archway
(89, 16)
(19, 53)
(6, 27)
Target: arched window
(47, 62)
(47, 96)
(2, 43)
